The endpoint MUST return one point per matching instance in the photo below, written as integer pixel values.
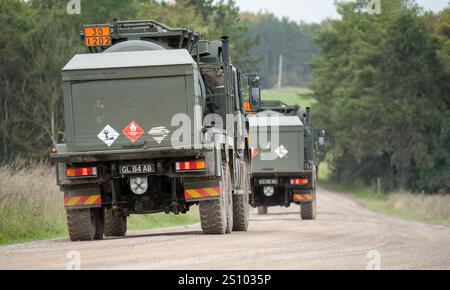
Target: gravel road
(346, 235)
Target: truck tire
(241, 206)
(262, 210)
(115, 226)
(214, 214)
(84, 224)
(308, 210)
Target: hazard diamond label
(108, 135)
(133, 131)
(281, 152)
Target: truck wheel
(262, 210)
(214, 213)
(84, 224)
(308, 210)
(241, 206)
(115, 226)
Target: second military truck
(137, 136)
(285, 171)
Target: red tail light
(190, 166)
(254, 153)
(299, 181)
(81, 172)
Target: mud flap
(83, 198)
(201, 190)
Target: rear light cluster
(190, 166)
(300, 181)
(254, 153)
(81, 172)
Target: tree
(381, 98)
(437, 178)
(213, 19)
(295, 41)
(17, 28)
(37, 37)
(57, 40)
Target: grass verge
(290, 96)
(433, 209)
(31, 207)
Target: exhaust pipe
(308, 115)
(226, 50)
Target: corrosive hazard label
(108, 135)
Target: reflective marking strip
(303, 197)
(93, 200)
(83, 200)
(72, 201)
(201, 193)
(213, 191)
(192, 194)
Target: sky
(314, 10)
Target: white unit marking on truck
(139, 185)
(159, 134)
(281, 152)
(108, 135)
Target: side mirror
(254, 81)
(255, 96)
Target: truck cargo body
(97, 96)
(102, 98)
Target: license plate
(136, 169)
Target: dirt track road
(343, 237)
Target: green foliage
(382, 94)
(16, 30)
(295, 41)
(213, 19)
(38, 37)
(31, 206)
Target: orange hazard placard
(97, 36)
(97, 41)
(97, 31)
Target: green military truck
(139, 136)
(283, 172)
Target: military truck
(142, 114)
(283, 172)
